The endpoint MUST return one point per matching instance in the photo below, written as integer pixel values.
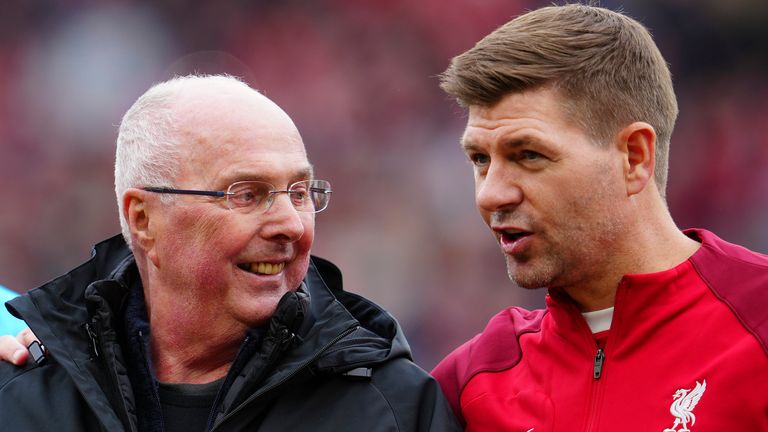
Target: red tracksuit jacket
(687, 351)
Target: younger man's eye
(479, 159)
(531, 155)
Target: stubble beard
(536, 268)
(526, 273)
(570, 249)
(572, 259)
(568, 257)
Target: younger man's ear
(137, 212)
(637, 142)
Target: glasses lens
(311, 195)
(248, 195)
(306, 196)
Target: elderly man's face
(208, 255)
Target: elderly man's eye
(246, 196)
(299, 195)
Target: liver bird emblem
(684, 401)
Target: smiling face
(553, 198)
(217, 262)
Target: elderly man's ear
(137, 211)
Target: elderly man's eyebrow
(306, 173)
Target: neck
(188, 345)
(652, 244)
(194, 355)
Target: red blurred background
(359, 79)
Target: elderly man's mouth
(262, 268)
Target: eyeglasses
(309, 196)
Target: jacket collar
(320, 314)
(57, 313)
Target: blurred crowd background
(359, 79)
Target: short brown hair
(604, 63)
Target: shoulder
(11, 376)
(39, 395)
(495, 349)
(720, 259)
(413, 396)
(46, 398)
(393, 395)
(30, 381)
(738, 277)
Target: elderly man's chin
(253, 307)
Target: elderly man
(209, 313)
(647, 328)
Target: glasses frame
(226, 194)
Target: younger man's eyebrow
(518, 141)
(469, 145)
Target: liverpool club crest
(684, 401)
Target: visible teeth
(266, 268)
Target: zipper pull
(599, 360)
(92, 337)
(37, 351)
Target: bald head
(166, 122)
(223, 97)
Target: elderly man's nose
(283, 221)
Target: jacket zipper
(596, 396)
(219, 395)
(265, 390)
(94, 332)
(285, 336)
(94, 340)
(597, 370)
(598, 380)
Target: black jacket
(328, 360)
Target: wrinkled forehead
(237, 130)
(228, 110)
